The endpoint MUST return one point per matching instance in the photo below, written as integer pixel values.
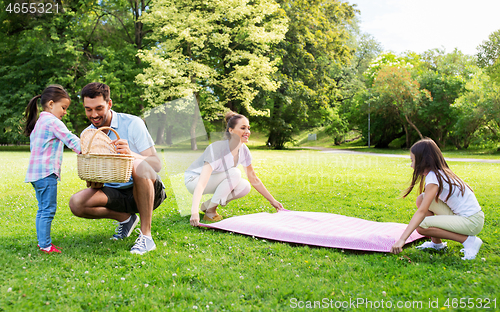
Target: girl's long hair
(52, 92)
(428, 157)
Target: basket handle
(101, 129)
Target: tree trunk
(230, 105)
(414, 127)
(169, 135)
(192, 131)
(160, 134)
(407, 136)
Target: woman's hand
(195, 219)
(398, 246)
(276, 204)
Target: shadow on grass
(96, 243)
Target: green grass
(219, 271)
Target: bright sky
(420, 25)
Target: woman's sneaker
(143, 244)
(124, 230)
(432, 245)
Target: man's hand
(122, 146)
(94, 185)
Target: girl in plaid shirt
(48, 135)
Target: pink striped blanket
(318, 229)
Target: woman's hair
(53, 93)
(231, 121)
(428, 157)
(95, 89)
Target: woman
(215, 172)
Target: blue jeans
(46, 195)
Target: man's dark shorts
(122, 200)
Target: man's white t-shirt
(465, 205)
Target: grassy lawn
(195, 269)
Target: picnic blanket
(318, 229)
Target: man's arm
(149, 155)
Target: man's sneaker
(471, 252)
(432, 245)
(51, 249)
(143, 244)
(124, 230)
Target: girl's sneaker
(471, 250)
(50, 249)
(432, 245)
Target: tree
(353, 84)
(399, 94)
(488, 55)
(35, 50)
(444, 75)
(213, 49)
(314, 46)
(477, 108)
(85, 41)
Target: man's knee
(75, 204)
(141, 169)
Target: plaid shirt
(47, 144)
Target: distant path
(340, 151)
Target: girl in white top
(447, 210)
(215, 172)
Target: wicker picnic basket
(99, 161)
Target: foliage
(212, 48)
(488, 55)
(350, 78)
(314, 46)
(384, 127)
(432, 113)
(477, 108)
(399, 95)
(388, 59)
(444, 76)
(35, 51)
(86, 41)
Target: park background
(293, 67)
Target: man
(121, 201)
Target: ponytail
(53, 93)
(31, 115)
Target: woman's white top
(466, 205)
(219, 156)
